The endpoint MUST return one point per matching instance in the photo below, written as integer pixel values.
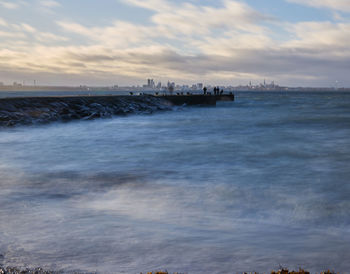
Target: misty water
(249, 185)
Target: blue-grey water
(249, 185)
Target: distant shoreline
(25, 88)
(39, 270)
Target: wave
(39, 110)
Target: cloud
(27, 28)
(3, 22)
(44, 5)
(155, 5)
(49, 3)
(190, 25)
(24, 34)
(76, 28)
(228, 43)
(341, 5)
(190, 19)
(50, 37)
(325, 37)
(10, 34)
(130, 49)
(9, 5)
(283, 63)
(121, 34)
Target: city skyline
(156, 86)
(124, 42)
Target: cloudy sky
(231, 42)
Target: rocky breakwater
(39, 110)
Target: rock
(41, 110)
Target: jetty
(38, 110)
(197, 99)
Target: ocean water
(249, 185)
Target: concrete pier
(197, 99)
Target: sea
(256, 184)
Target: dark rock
(39, 110)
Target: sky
(217, 42)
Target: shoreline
(83, 88)
(39, 270)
